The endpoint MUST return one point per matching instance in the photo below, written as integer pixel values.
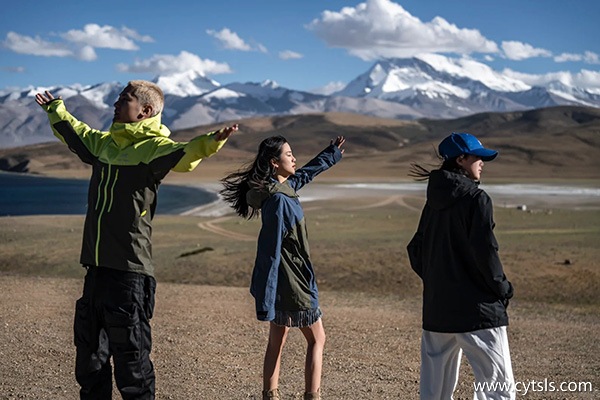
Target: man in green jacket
(112, 318)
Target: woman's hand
(339, 142)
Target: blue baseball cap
(464, 143)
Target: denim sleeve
(268, 257)
(322, 162)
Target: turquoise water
(22, 194)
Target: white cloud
(261, 48)
(105, 37)
(167, 64)
(382, 28)
(136, 36)
(330, 88)
(230, 40)
(566, 57)
(588, 57)
(585, 78)
(80, 44)
(87, 53)
(520, 51)
(35, 46)
(289, 55)
(588, 79)
(591, 58)
(14, 70)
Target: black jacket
(456, 255)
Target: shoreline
(26, 194)
(535, 195)
(521, 196)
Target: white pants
(488, 354)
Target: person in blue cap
(465, 290)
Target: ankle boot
(313, 395)
(272, 394)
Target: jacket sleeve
(485, 247)
(71, 131)
(268, 258)
(196, 149)
(322, 162)
(415, 247)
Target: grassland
(550, 255)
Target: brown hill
(551, 143)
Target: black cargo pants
(112, 318)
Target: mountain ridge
(553, 143)
(427, 86)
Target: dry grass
(355, 248)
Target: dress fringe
(297, 319)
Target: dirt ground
(207, 345)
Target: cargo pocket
(124, 333)
(149, 295)
(82, 328)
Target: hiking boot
(272, 394)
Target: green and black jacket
(128, 163)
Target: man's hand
(224, 133)
(43, 99)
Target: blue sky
(302, 45)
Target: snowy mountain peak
(432, 75)
(427, 86)
(467, 68)
(188, 83)
(102, 95)
(269, 84)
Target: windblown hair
(148, 93)
(255, 175)
(420, 173)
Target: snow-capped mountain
(430, 86)
(441, 87)
(184, 84)
(433, 75)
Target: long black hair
(420, 173)
(254, 175)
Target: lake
(504, 195)
(22, 194)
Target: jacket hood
(445, 188)
(124, 134)
(256, 196)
